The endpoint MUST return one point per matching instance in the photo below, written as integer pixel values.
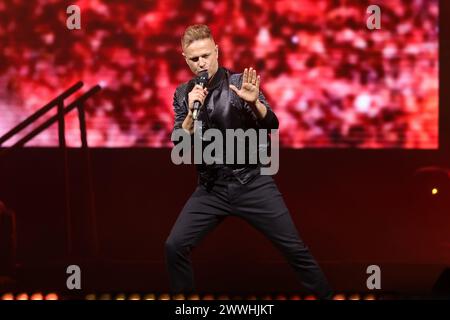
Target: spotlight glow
(8, 296)
(37, 296)
(120, 296)
(51, 296)
(164, 296)
(22, 296)
(105, 296)
(339, 296)
(355, 297)
(134, 296)
(91, 296)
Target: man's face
(202, 55)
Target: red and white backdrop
(331, 81)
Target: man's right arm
(183, 116)
(188, 123)
(184, 109)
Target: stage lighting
(339, 296)
(354, 297)
(178, 297)
(22, 296)
(150, 296)
(90, 297)
(436, 179)
(37, 296)
(120, 296)
(105, 296)
(135, 296)
(8, 296)
(370, 297)
(51, 296)
(164, 296)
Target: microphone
(201, 80)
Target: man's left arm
(264, 113)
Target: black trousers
(259, 203)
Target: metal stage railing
(62, 110)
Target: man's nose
(201, 62)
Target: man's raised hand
(249, 90)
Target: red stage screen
(331, 81)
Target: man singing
(230, 101)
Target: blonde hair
(195, 32)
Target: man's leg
(202, 213)
(261, 204)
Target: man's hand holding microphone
(196, 98)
